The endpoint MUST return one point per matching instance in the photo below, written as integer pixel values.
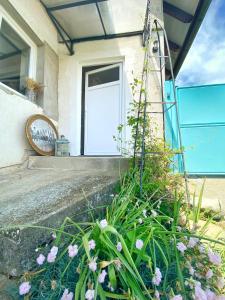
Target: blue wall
(202, 122)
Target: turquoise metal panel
(202, 122)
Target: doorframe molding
(94, 65)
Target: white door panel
(102, 116)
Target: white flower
(140, 220)
(54, 250)
(157, 295)
(54, 236)
(144, 213)
(92, 265)
(192, 242)
(220, 283)
(119, 247)
(154, 213)
(90, 294)
(209, 274)
(191, 270)
(201, 248)
(176, 297)
(157, 277)
(66, 295)
(139, 244)
(101, 277)
(72, 250)
(103, 223)
(91, 245)
(181, 247)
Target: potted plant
(33, 88)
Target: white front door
(102, 110)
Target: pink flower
(220, 283)
(214, 258)
(90, 294)
(176, 297)
(91, 245)
(92, 265)
(181, 247)
(157, 277)
(199, 293)
(220, 297)
(119, 247)
(103, 224)
(66, 295)
(40, 260)
(24, 288)
(192, 242)
(209, 274)
(52, 254)
(201, 248)
(72, 250)
(51, 257)
(101, 277)
(139, 244)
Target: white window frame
(33, 48)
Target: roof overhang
(89, 20)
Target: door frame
(89, 69)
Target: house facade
(86, 54)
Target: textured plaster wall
(14, 111)
(126, 50)
(32, 19)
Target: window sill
(11, 91)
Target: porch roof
(87, 20)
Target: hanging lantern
(62, 147)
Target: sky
(205, 62)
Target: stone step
(115, 165)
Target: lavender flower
(103, 224)
(181, 247)
(66, 295)
(119, 247)
(139, 244)
(40, 260)
(192, 242)
(214, 258)
(157, 277)
(209, 274)
(92, 265)
(72, 250)
(24, 288)
(176, 297)
(90, 294)
(91, 245)
(101, 277)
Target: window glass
(105, 76)
(14, 58)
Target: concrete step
(114, 165)
(46, 192)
